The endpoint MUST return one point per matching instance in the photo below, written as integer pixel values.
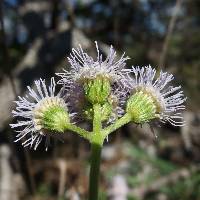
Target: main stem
(96, 145)
(94, 171)
(97, 137)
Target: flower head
(153, 98)
(96, 79)
(40, 113)
(84, 67)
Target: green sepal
(106, 111)
(55, 119)
(141, 107)
(97, 90)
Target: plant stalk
(119, 123)
(94, 171)
(96, 146)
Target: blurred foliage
(183, 188)
(136, 27)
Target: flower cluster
(164, 100)
(94, 81)
(36, 113)
(136, 92)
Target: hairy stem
(96, 138)
(96, 145)
(94, 171)
(120, 122)
(97, 119)
(83, 133)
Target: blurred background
(36, 36)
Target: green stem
(83, 133)
(94, 171)
(96, 145)
(97, 119)
(96, 139)
(120, 122)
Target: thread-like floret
(168, 100)
(33, 112)
(94, 80)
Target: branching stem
(119, 123)
(96, 138)
(81, 132)
(96, 146)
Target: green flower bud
(51, 114)
(97, 90)
(106, 111)
(141, 107)
(55, 119)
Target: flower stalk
(96, 146)
(81, 132)
(94, 171)
(119, 123)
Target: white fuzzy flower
(84, 67)
(167, 100)
(94, 80)
(31, 111)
